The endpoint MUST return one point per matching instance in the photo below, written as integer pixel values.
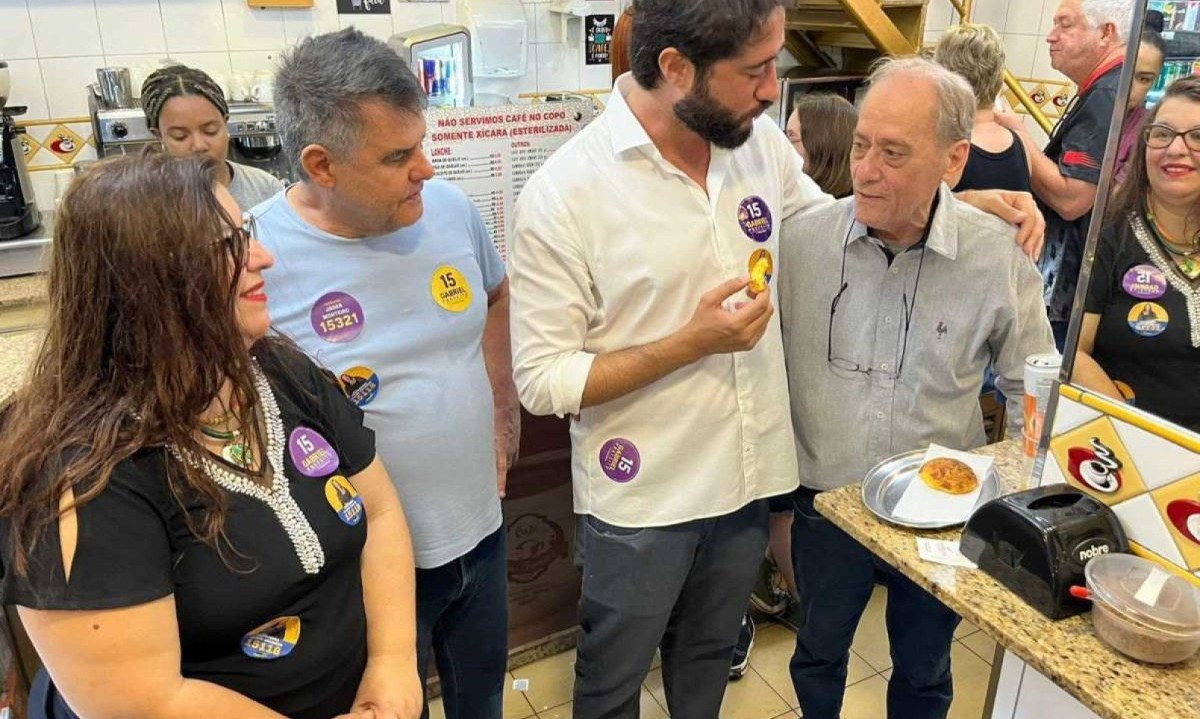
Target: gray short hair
(1118, 12)
(322, 82)
(956, 100)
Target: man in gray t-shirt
(892, 303)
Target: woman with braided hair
(186, 109)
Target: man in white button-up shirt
(625, 316)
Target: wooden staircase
(862, 29)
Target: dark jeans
(1060, 333)
(835, 576)
(462, 621)
(684, 585)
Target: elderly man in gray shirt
(892, 304)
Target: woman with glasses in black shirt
(1140, 337)
(193, 521)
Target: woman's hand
(365, 714)
(391, 689)
(1009, 120)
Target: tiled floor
(766, 690)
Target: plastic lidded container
(1143, 610)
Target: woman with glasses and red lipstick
(1140, 337)
(193, 521)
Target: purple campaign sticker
(1144, 282)
(311, 453)
(337, 317)
(620, 460)
(755, 218)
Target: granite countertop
(17, 348)
(1067, 651)
(22, 290)
(16, 354)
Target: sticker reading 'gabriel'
(311, 453)
(620, 459)
(754, 217)
(450, 289)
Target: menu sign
(490, 152)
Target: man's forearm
(616, 374)
(1068, 197)
(497, 354)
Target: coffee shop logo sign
(1097, 467)
(536, 543)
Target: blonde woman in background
(998, 160)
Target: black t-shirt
(134, 546)
(1004, 170)
(1077, 145)
(1142, 340)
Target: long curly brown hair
(142, 334)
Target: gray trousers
(683, 588)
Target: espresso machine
(19, 214)
(253, 139)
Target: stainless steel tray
(886, 482)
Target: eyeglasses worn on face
(237, 242)
(1160, 137)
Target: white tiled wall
(54, 46)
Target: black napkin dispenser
(1036, 542)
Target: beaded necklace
(1190, 292)
(278, 496)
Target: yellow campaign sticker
(761, 266)
(1148, 319)
(344, 499)
(450, 289)
(277, 638)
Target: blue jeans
(462, 622)
(835, 576)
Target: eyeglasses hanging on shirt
(838, 362)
